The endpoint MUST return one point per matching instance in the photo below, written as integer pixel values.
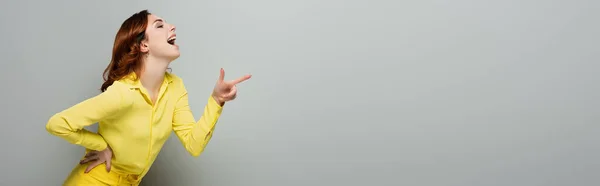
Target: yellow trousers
(98, 176)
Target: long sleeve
(195, 135)
(69, 124)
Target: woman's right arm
(69, 124)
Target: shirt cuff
(213, 104)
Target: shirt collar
(134, 82)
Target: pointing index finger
(242, 79)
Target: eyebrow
(157, 20)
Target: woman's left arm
(195, 135)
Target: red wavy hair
(126, 54)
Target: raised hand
(96, 158)
(225, 90)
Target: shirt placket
(153, 111)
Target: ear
(144, 47)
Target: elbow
(196, 148)
(53, 124)
(196, 153)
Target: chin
(174, 57)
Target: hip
(99, 176)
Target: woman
(139, 106)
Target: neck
(153, 74)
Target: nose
(173, 28)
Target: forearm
(197, 136)
(58, 126)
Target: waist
(133, 158)
(124, 177)
(99, 174)
(130, 165)
(133, 153)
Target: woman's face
(160, 39)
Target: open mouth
(171, 40)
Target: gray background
(444, 93)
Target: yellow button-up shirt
(133, 127)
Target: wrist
(218, 100)
(107, 148)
